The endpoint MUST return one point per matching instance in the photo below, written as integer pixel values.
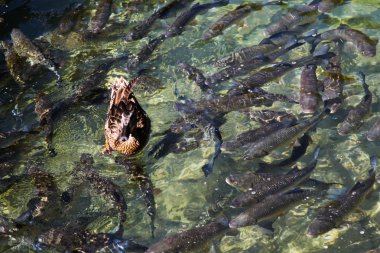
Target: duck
(127, 126)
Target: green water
(182, 194)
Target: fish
(74, 239)
(44, 111)
(43, 207)
(251, 64)
(70, 19)
(299, 149)
(228, 103)
(361, 41)
(143, 28)
(268, 74)
(84, 170)
(309, 96)
(333, 214)
(332, 94)
(17, 66)
(264, 213)
(244, 181)
(355, 117)
(303, 15)
(191, 238)
(374, 132)
(273, 185)
(177, 27)
(231, 17)
(254, 135)
(100, 19)
(146, 52)
(264, 146)
(127, 126)
(137, 173)
(25, 48)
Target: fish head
(86, 159)
(239, 221)
(319, 227)
(232, 180)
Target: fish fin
(266, 226)
(357, 186)
(315, 154)
(294, 190)
(373, 165)
(343, 27)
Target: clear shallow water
(182, 194)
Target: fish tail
(315, 154)
(373, 162)
(361, 77)
(281, 2)
(220, 2)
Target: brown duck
(127, 126)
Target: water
(182, 194)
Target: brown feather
(127, 126)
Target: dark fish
(102, 14)
(72, 239)
(309, 96)
(303, 15)
(362, 42)
(232, 17)
(244, 182)
(45, 205)
(333, 214)
(266, 46)
(251, 64)
(332, 94)
(17, 66)
(254, 135)
(266, 75)
(355, 117)
(25, 48)
(177, 27)
(84, 170)
(374, 132)
(298, 150)
(194, 74)
(189, 239)
(44, 111)
(273, 185)
(264, 146)
(228, 103)
(137, 173)
(146, 52)
(69, 20)
(142, 28)
(265, 212)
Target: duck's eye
(123, 139)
